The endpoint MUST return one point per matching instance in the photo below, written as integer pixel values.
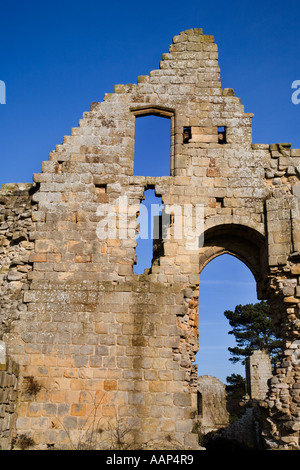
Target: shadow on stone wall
(244, 434)
(9, 372)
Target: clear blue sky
(57, 57)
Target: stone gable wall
(95, 335)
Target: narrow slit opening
(199, 404)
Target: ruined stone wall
(212, 412)
(16, 245)
(9, 373)
(94, 334)
(245, 432)
(258, 375)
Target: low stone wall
(244, 432)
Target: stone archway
(277, 286)
(243, 242)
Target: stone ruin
(258, 375)
(211, 404)
(212, 407)
(95, 339)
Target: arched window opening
(224, 283)
(154, 144)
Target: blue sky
(224, 283)
(57, 57)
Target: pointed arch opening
(225, 282)
(233, 271)
(244, 243)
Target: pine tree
(235, 391)
(253, 329)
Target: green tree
(235, 391)
(253, 329)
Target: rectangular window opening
(219, 202)
(222, 135)
(152, 156)
(101, 188)
(187, 134)
(101, 193)
(58, 167)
